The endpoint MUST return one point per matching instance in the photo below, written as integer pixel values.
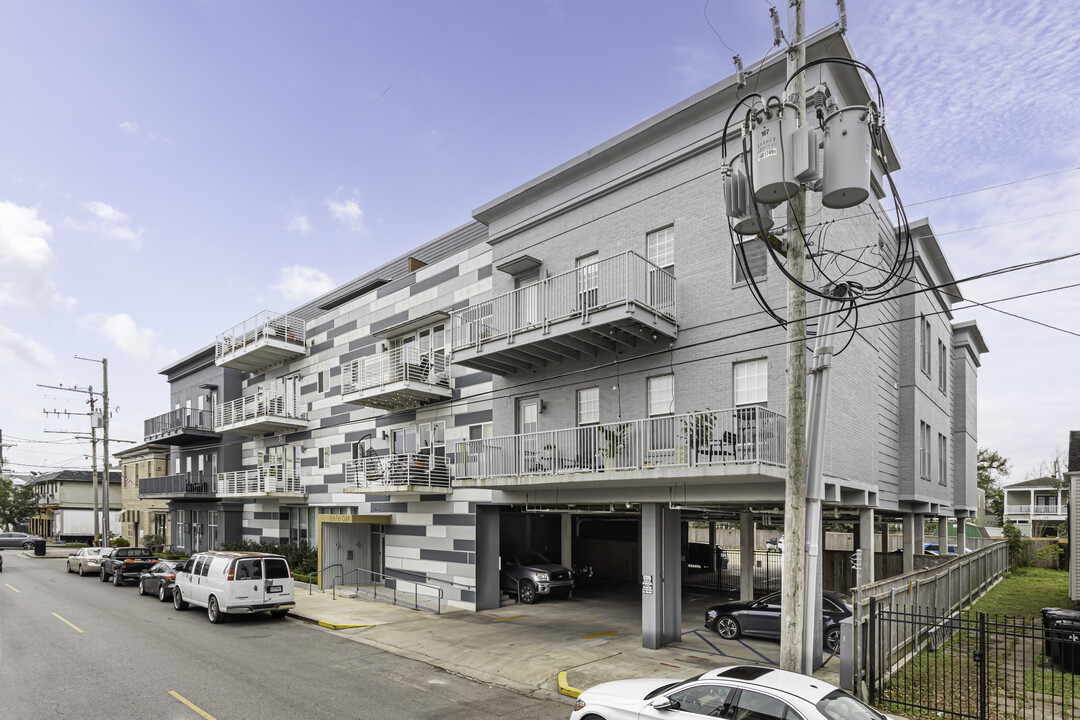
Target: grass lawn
(1024, 591)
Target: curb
(325, 624)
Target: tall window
(588, 406)
(751, 256)
(924, 343)
(942, 381)
(943, 459)
(181, 528)
(324, 457)
(660, 246)
(924, 451)
(661, 395)
(752, 382)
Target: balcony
(269, 480)
(182, 486)
(182, 426)
(398, 474)
(261, 341)
(591, 311)
(739, 442)
(261, 413)
(1039, 512)
(400, 379)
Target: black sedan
(761, 618)
(159, 579)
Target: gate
(970, 665)
(719, 571)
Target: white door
(527, 424)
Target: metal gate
(720, 570)
(970, 665)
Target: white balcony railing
(278, 478)
(620, 280)
(391, 470)
(258, 407)
(176, 421)
(402, 364)
(1036, 510)
(714, 437)
(257, 330)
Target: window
(181, 524)
(588, 277)
(752, 382)
(751, 256)
(924, 344)
(213, 539)
(661, 395)
(757, 706)
(321, 379)
(708, 700)
(942, 381)
(324, 457)
(943, 459)
(202, 464)
(588, 406)
(480, 431)
(660, 247)
(924, 451)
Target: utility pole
(93, 462)
(793, 613)
(105, 451)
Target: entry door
(528, 301)
(588, 282)
(405, 441)
(528, 414)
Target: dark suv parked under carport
(528, 574)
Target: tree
(992, 467)
(1052, 467)
(16, 502)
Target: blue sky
(170, 169)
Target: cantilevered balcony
(263, 412)
(398, 474)
(190, 486)
(260, 342)
(182, 426)
(738, 443)
(1039, 512)
(269, 480)
(400, 379)
(586, 314)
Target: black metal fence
(970, 665)
(720, 570)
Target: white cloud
(299, 283)
(345, 209)
(110, 223)
(16, 348)
(299, 224)
(125, 334)
(131, 128)
(26, 259)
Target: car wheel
(28, 546)
(161, 593)
(178, 600)
(82, 570)
(278, 613)
(728, 628)
(69, 567)
(117, 579)
(832, 640)
(142, 590)
(104, 577)
(527, 592)
(214, 612)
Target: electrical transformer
(739, 201)
(846, 173)
(771, 137)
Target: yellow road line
(338, 626)
(602, 633)
(509, 619)
(67, 622)
(191, 705)
(16, 590)
(565, 688)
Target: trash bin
(1062, 637)
(39, 547)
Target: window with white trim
(752, 254)
(324, 457)
(588, 406)
(924, 344)
(661, 395)
(751, 382)
(660, 248)
(943, 359)
(943, 459)
(924, 450)
(481, 431)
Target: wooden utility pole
(794, 611)
(105, 450)
(93, 462)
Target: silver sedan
(87, 561)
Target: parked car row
(18, 540)
(225, 583)
(761, 618)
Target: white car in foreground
(740, 692)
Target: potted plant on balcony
(614, 442)
(699, 429)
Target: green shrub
(302, 558)
(120, 542)
(1019, 552)
(153, 540)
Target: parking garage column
(661, 576)
(909, 542)
(865, 541)
(961, 537)
(943, 534)
(746, 555)
(566, 539)
(920, 533)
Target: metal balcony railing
(178, 485)
(620, 280)
(179, 419)
(1036, 509)
(278, 478)
(714, 437)
(390, 470)
(259, 405)
(402, 364)
(266, 325)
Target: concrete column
(864, 539)
(487, 557)
(909, 542)
(920, 533)
(566, 543)
(746, 555)
(661, 581)
(961, 536)
(943, 534)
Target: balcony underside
(769, 479)
(402, 395)
(184, 436)
(590, 339)
(259, 354)
(263, 494)
(177, 495)
(264, 424)
(392, 489)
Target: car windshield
(531, 557)
(136, 553)
(843, 599)
(838, 705)
(672, 686)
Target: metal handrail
(399, 469)
(319, 573)
(178, 419)
(280, 477)
(334, 583)
(437, 594)
(188, 483)
(261, 327)
(402, 364)
(264, 403)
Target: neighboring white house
(1037, 507)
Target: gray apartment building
(582, 371)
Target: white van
(235, 582)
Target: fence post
(871, 652)
(982, 666)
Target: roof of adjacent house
(1043, 482)
(73, 476)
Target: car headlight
(712, 613)
(543, 577)
(579, 705)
